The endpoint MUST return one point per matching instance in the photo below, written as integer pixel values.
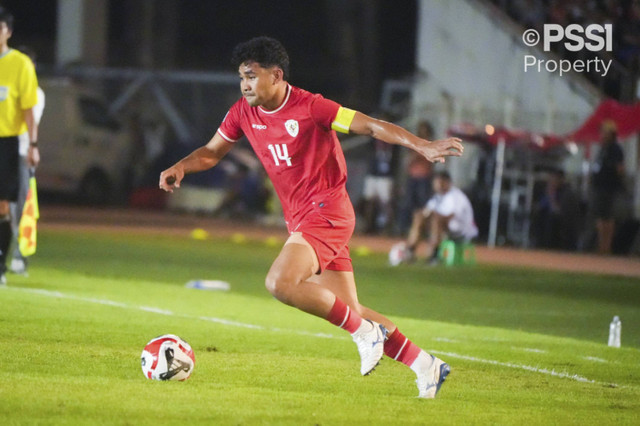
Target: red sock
(398, 347)
(345, 318)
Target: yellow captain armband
(343, 120)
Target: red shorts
(328, 227)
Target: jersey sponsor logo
(292, 127)
(4, 93)
(259, 126)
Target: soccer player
(18, 97)
(293, 134)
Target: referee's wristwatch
(33, 144)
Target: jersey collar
(286, 98)
(5, 53)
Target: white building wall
(472, 62)
(468, 52)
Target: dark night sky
(208, 30)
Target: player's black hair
(443, 174)
(265, 51)
(6, 17)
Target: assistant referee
(18, 96)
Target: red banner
(626, 117)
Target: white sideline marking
(596, 359)
(155, 310)
(445, 339)
(223, 321)
(231, 323)
(538, 351)
(554, 373)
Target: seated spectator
(247, 196)
(448, 215)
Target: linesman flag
(28, 221)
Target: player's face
(257, 84)
(5, 34)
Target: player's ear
(277, 75)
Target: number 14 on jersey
(280, 153)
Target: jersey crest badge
(4, 94)
(292, 127)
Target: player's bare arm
(434, 151)
(199, 160)
(33, 156)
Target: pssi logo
(594, 37)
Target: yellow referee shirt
(18, 91)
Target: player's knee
(280, 285)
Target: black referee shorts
(9, 163)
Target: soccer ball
(398, 254)
(167, 357)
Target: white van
(84, 151)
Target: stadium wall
(472, 53)
(470, 60)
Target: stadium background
(161, 68)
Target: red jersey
(297, 147)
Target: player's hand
(33, 156)
(436, 151)
(171, 178)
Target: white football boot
(370, 338)
(19, 267)
(431, 372)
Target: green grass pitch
(525, 346)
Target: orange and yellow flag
(30, 215)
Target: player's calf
(369, 336)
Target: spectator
(378, 185)
(557, 215)
(448, 214)
(628, 28)
(247, 196)
(418, 188)
(607, 184)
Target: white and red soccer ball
(399, 253)
(167, 357)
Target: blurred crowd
(401, 190)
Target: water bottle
(615, 329)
